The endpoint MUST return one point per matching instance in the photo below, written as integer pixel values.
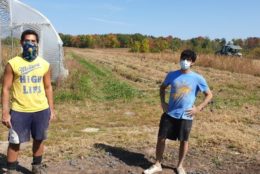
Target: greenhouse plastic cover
(15, 17)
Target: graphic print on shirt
(26, 69)
(31, 84)
(182, 89)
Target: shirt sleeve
(202, 84)
(167, 80)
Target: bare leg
(159, 150)
(38, 148)
(182, 152)
(159, 154)
(12, 152)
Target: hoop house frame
(15, 17)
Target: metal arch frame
(13, 25)
(36, 12)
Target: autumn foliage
(143, 43)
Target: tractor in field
(230, 50)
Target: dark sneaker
(39, 169)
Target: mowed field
(108, 111)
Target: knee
(37, 143)
(184, 143)
(161, 140)
(15, 147)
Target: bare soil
(226, 143)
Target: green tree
(137, 37)
(98, 41)
(145, 48)
(111, 41)
(75, 41)
(66, 39)
(160, 45)
(82, 40)
(89, 39)
(124, 40)
(239, 42)
(223, 42)
(175, 44)
(135, 47)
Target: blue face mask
(30, 51)
(185, 64)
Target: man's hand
(165, 106)
(52, 116)
(193, 111)
(6, 120)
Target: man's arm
(162, 97)
(6, 87)
(208, 96)
(48, 92)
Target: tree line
(144, 43)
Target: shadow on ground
(19, 167)
(126, 156)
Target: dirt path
(116, 160)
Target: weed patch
(89, 81)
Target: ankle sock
(37, 160)
(12, 165)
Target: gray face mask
(30, 51)
(185, 64)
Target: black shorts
(174, 129)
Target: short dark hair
(189, 54)
(27, 32)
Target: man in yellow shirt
(28, 78)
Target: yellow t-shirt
(28, 88)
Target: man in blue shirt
(176, 121)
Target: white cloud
(111, 7)
(108, 21)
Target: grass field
(116, 92)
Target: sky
(185, 19)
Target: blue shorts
(26, 124)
